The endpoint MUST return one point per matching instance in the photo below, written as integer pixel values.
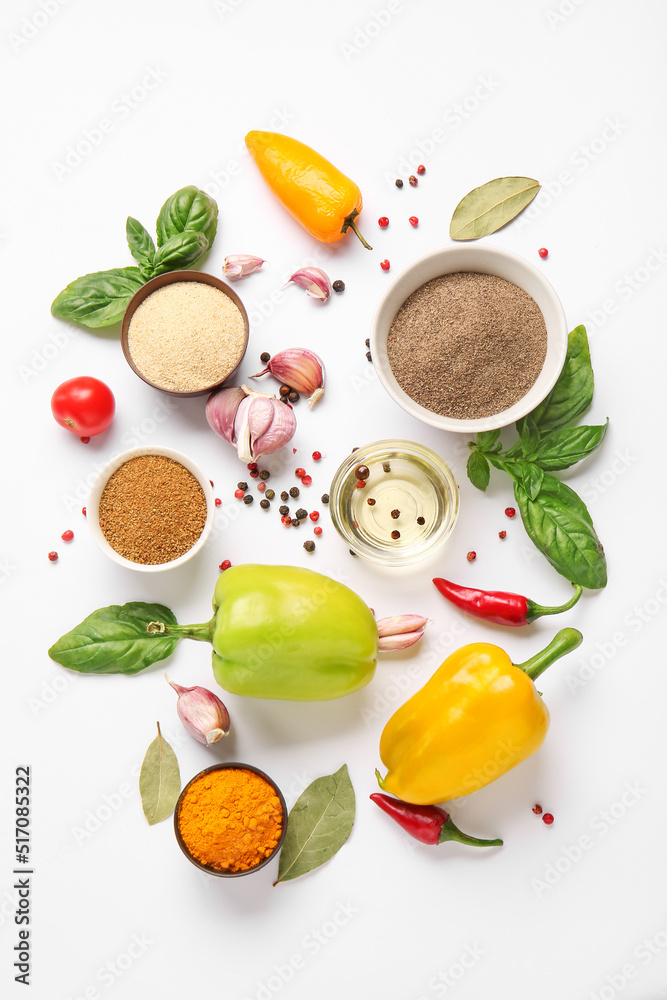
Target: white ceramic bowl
(483, 260)
(93, 504)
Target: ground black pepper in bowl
(467, 345)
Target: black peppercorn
(338, 285)
(270, 494)
(284, 390)
(367, 342)
(284, 509)
(301, 513)
(395, 534)
(294, 396)
(395, 513)
(325, 498)
(371, 502)
(294, 491)
(362, 472)
(248, 498)
(264, 357)
(421, 520)
(398, 182)
(295, 522)
(369, 356)
(265, 474)
(284, 495)
(264, 504)
(309, 546)
(242, 486)
(386, 467)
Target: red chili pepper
(428, 824)
(499, 606)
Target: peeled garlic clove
(202, 713)
(238, 265)
(400, 631)
(315, 282)
(221, 409)
(300, 369)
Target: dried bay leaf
(490, 207)
(159, 780)
(318, 825)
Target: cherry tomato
(83, 405)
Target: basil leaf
(568, 445)
(531, 478)
(478, 470)
(487, 439)
(318, 825)
(114, 640)
(159, 780)
(181, 250)
(188, 209)
(554, 523)
(98, 299)
(529, 438)
(140, 242)
(573, 392)
(490, 207)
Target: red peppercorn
(225, 564)
(537, 809)
(261, 487)
(471, 556)
(239, 494)
(548, 819)
(314, 515)
(421, 169)
(316, 456)
(317, 530)
(254, 473)
(67, 536)
(83, 511)
(306, 480)
(211, 482)
(383, 222)
(502, 534)
(543, 252)
(252, 466)
(299, 472)
(360, 484)
(412, 180)
(413, 220)
(385, 265)
(218, 502)
(510, 511)
(53, 556)
(286, 519)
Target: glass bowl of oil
(394, 502)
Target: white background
(568, 91)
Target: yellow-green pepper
(476, 718)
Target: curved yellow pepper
(476, 718)
(318, 195)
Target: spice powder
(152, 509)
(467, 345)
(230, 819)
(186, 336)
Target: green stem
(351, 224)
(202, 632)
(451, 832)
(563, 642)
(538, 610)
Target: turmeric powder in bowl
(230, 819)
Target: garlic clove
(279, 433)
(221, 409)
(239, 265)
(202, 713)
(390, 642)
(400, 631)
(314, 280)
(300, 369)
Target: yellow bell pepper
(317, 194)
(476, 718)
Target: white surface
(568, 91)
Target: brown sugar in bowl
(190, 337)
(190, 833)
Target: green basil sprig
(186, 228)
(555, 517)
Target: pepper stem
(202, 632)
(563, 642)
(349, 223)
(451, 832)
(537, 610)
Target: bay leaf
(318, 825)
(490, 207)
(159, 780)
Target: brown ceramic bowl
(167, 279)
(224, 872)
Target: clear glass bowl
(405, 511)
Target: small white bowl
(482, 260)
(93, 505)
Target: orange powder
(230, 819)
